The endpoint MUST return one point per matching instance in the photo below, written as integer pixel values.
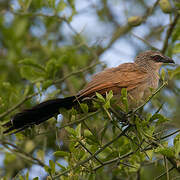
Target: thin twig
(89, 152)
(75, 73)
(163, 174)
(166, 166)
(72, 123)
(80, 120)
(170, 134)
(145, 41)
(116, 159)
(156, 92)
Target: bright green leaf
(36, 178)
(124, 98)
(27, 176)
(177, 145)
(71, 131)
(31, 62)
(100, 97)
(61, 166)
(166, 151)
(61, 5)
(52, 166)
(84, 107)
(61, 154)
(47, 169)
(78, 130)
(163, 74)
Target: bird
(139, 79)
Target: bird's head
(154, 59)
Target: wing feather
(128, 75)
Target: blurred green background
(51, 48)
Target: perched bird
(139, 78)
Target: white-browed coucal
(139, 78)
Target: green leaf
(163, 74)
(27, 4)
(51, 68)
(61, 154)
(150, 154)
(109, 95)
(160, 119)
(90, 138)
(87, 133)
(104, 130)
(46, 84)
(92, 176)
(32, 63)
(26, 90)
(36, 178)
(51, 3)
(20, 27)
(124, 98)
(176, 49)
(31, 74)
(40, 154)
(166, 151)
(47, 169)
(84, 107)
(27, 175)
(177, 145)
(100, 97)
(9, 158)
(21, 177)
(7, 86)
(70, 131)
(52, 166)
(149, 131)
(61, 5)
(175, 72)
(61, 166)
(78, 130)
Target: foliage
(40, 59)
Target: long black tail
(38, 113)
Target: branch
(122, 30)
(55, 82)
(164, 173)
(170, 134)
(144, 41)
(169, 32)
(17, 105)
(170, 159)
(21, 152)
(75, 73)
(115, 159)
(89, 152)
(119, 31)
(95, 154)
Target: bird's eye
(157, 58)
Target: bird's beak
(167, 60)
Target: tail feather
(38, 113)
